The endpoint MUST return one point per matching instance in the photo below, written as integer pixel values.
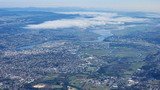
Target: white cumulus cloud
(98, 19)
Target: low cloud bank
(97, 19)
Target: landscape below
(79, 50)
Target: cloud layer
(97, 19)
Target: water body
(103, 34)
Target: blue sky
(138, 5)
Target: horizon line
(84, 8)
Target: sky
(133, 5)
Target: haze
(127, 5)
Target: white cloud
(65, 23)
(98, 19)
(153, 15)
